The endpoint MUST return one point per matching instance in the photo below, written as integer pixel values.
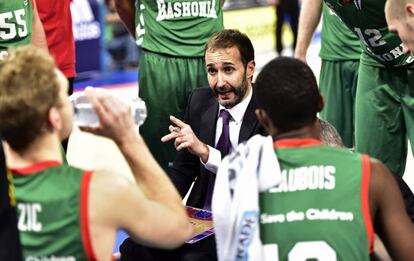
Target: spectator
(284, 8)
(124, 52)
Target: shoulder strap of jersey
(366, 180)
(84, 217)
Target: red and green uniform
(384, 115)
(16, 23)
(340, 53)
(320, 211)
(52, 204)
(172, 35)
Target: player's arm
(152, 220)
(126, 11)
(309, 17)
(151, 178)
(151, 209)
(38, 36)
(391, 221)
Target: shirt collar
(291, 143)
(37, 167)
(237, 112)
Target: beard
(344, 2)
(239, 93)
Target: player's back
(52, 208)
(175, 27)
(322, 209)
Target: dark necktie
(223, 145)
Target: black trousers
(291, 8)
(204, 250)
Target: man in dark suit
(201, 117)
(216, 120)
(230, 66)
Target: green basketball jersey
(177, 27)
(366, 19)
(52, 212)
(338, 42)
(321, 211)
(16, 23)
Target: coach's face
(227, 76)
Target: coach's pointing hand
(186, 139)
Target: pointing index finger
(177, 122)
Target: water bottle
(84, 114)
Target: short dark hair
(228, 38)
(287, 91)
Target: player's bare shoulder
(111, 187)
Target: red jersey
(57, 23)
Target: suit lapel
(208, 123)
(249, 122)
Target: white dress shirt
(236, 119)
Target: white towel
(250, 169)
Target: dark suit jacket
(201, 114)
